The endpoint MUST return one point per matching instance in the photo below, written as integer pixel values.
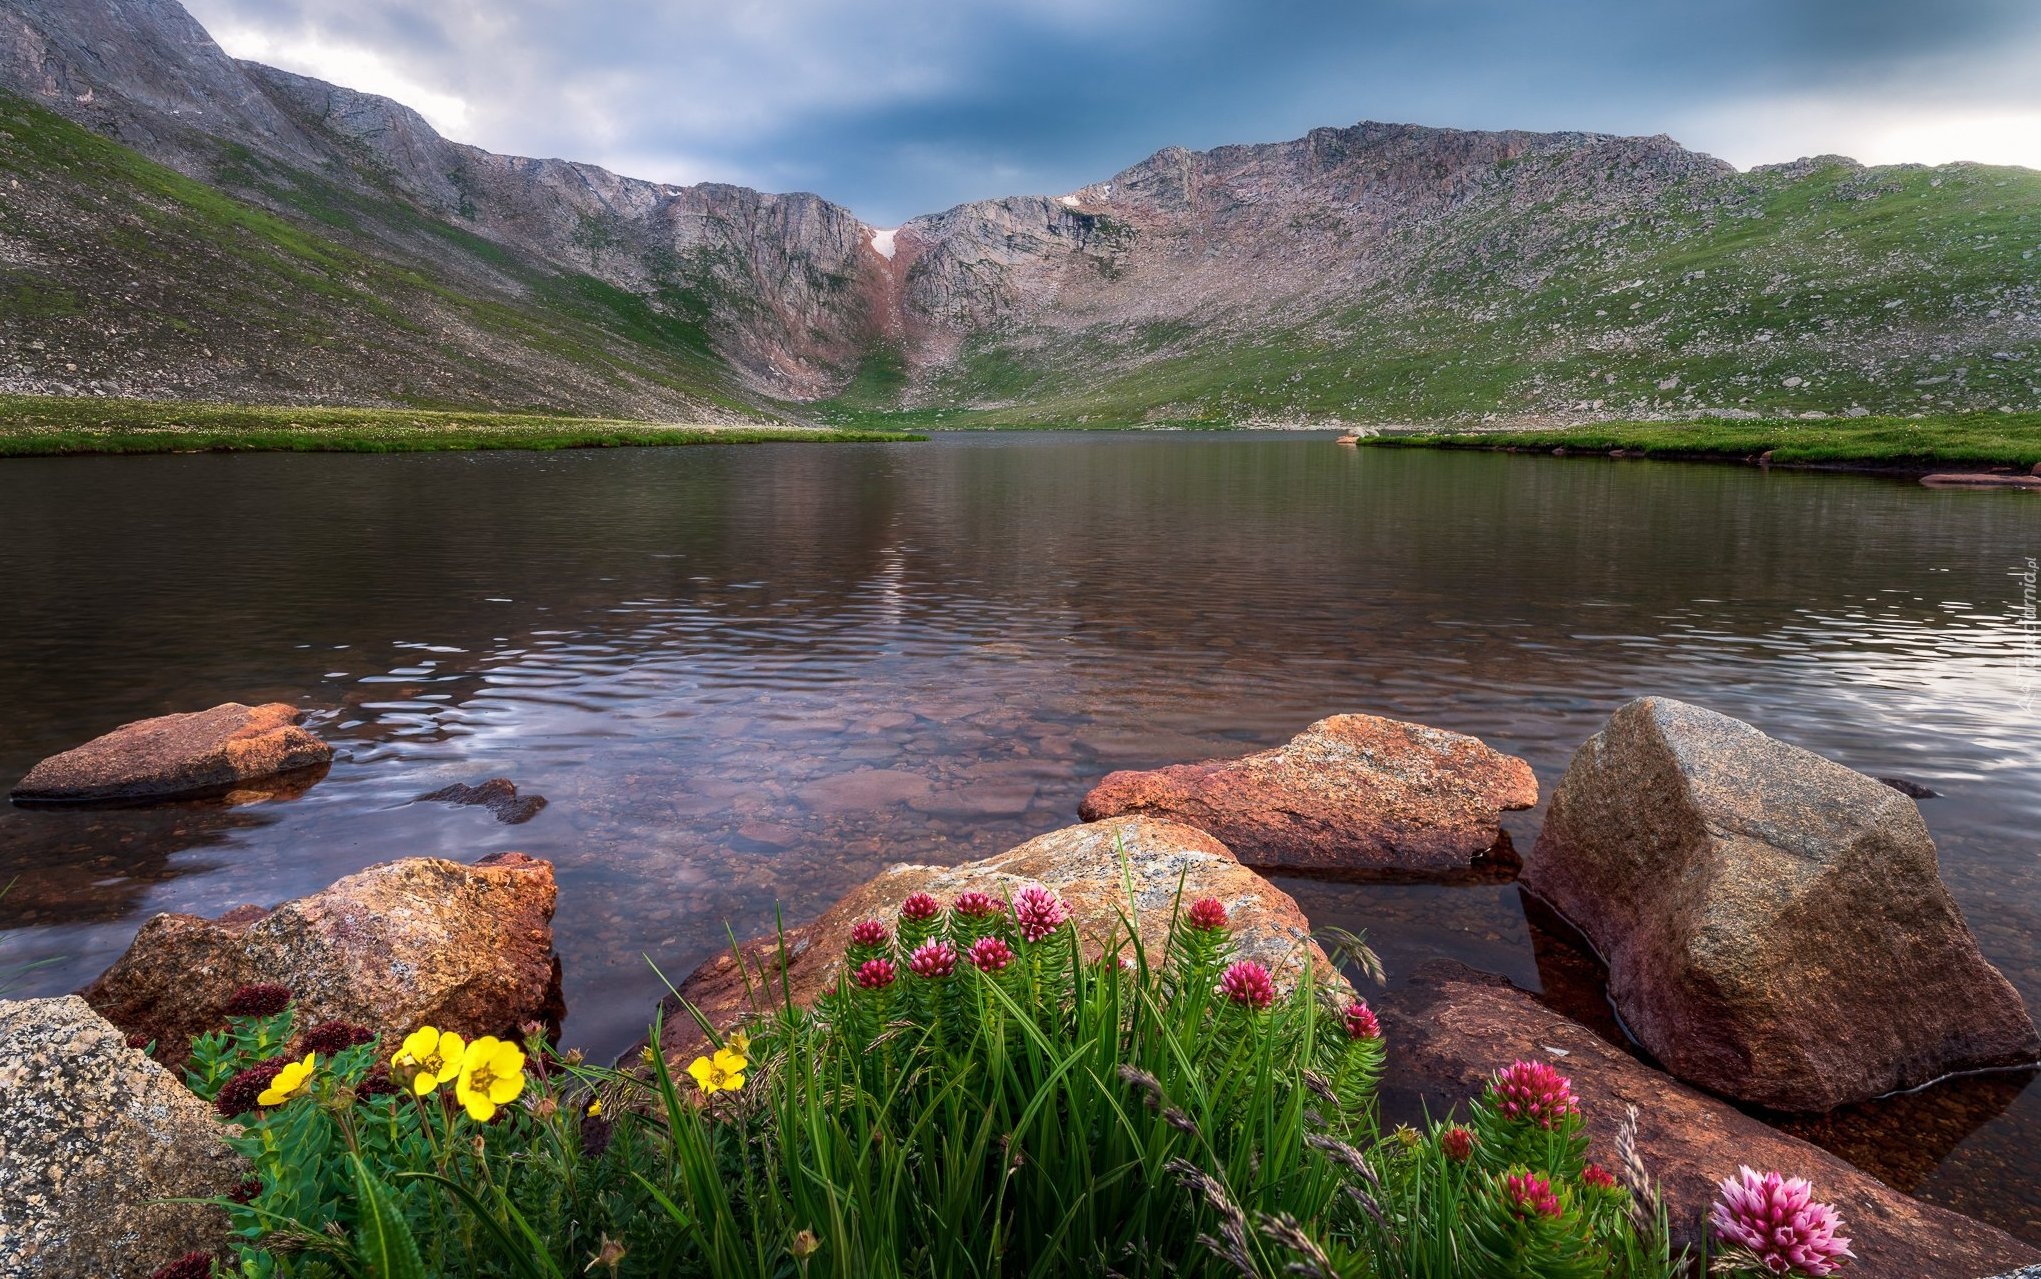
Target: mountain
(176, 222)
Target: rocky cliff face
(1378, 271)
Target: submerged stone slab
(173, 756)
(1775, 925)
(1352, 792)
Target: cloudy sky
(910, 106)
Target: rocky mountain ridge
(1377, 272)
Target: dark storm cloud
(909, 106)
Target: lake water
(745, 678)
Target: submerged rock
(1451, 1027)
(171, 756)
(498, 795)
(1081, 864)
(394, 947)
(1775, 925)
(93, 1137)
(1911, 789)
(1353, 792)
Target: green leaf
(382, 1238)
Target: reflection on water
(749, 677)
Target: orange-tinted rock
(1775, 925)
(199, 753)
(1080, 863)
(1451, 1027)
(399, 945)
(1353, 792)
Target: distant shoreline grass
(1914, 445)
(56, 426)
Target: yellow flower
(723, 1073)
(492, 1075)
(595, 1108)
(293, 1079)
(430, 1057)
(739, 1043)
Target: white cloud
(1875, 131)
(349, 65)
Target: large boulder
(1450, 1027)
(1775, 926)
(399, 945)
(1082, 864)
(93, 1138)
(172, 756)
(1353, 792)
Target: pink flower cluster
(978, 905)
(933, 959)
(1530, 1195)
(1208, 914)
(920, 906)
(1532, 1092)
(1597, 1176)
(1360, 1021)
(870, 933)
(991, 954)
(1247, 984)
(1457, 1143)
(1038, 912)
(1778, 1219)
(875, 974)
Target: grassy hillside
(33, 426)
(1820, 287)
(126, 277)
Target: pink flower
(1247, 984)
(920, 906)
(1530, 1195)
(875, 974)
(933, 959)
(1597, 1176)
(1039, 912)
(1457, 1143)
(1207, 913)
(870, 933)
(1360, 1021)
(1778, 1219)
(991, 954)
(1534, 1093)
(978, 905)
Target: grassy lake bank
(47, 426)
(1967, 442)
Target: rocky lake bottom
(745, 679)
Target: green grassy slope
(123, 276)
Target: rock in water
(399, 945)
(498, 795)
(198, 753)
(1081, 864)
(1450, 1027)
(1353, 792)
(93, 1136)
(1775, 925)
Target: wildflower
(331, 1037)
(1247, 984)
(870, 933)
(1207, 913)
(1779, 1220)
(1406, 1136)
(1597, 1176)
(806, 1244)
(920, 906)
(1532, 1092)
(491, 1075)
(238, 1095)
(723, 1072)
(1457, 1143)
(429, 1058)
(544, 1108)
(192, 1265)
(377, 1083)
(991, 954)
(1360, 1021)
(595, 1109)
(933, 959)
(293, 1079)
(977, 905)
(609, 1256)
(1529, 1195)
(258, 1001)
(738, 1042)
(1039, 912)
(875, 974)
(247, 1192)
